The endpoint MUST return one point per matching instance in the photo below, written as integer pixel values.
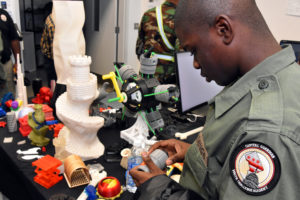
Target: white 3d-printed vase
(79, 135)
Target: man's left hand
(140, 177)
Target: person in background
(11, 45)
(250, 144)
(47, 46)
(157, 30)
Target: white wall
(283, 26)
(101, 45)
(134, 10)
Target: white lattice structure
(79, 135)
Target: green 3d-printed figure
(36, 121)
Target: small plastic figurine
(36, 121)
(44, 96)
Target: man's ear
(224, 28)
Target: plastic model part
(174, 171)
(158, 157)
(57, 128)
(76, 173)
(96, 177)
(8, 140)
(125, 153)
(79, 135)
(44, 96)
(48, 111)
(36, 121)
(34, 150)
(112, 77)
(2, 124)
(138, 128)
(184, 136)
(24, 128)
(11, 121)
(21, 88)
(47, 172)
(109, 188)
(2, 112)
(141, 95)
(68, 17)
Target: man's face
(210, 54)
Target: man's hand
(176, 150)
(139, 177)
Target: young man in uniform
(249, 148)
(11, 44)
(157, 30)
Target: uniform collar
(230, 95)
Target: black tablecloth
(17, 176)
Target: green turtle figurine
(36, 120)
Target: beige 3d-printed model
(79, 135)
(68, 17)
(76, 173)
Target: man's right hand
(176, 150)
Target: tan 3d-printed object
(76, 173)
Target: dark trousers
(51, 73)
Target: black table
(17, 176)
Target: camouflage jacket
(47, 38)
(149, 35)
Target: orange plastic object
(38, 99)
(2, 124)
(48, 112)
(109, 187)
(47, 172)
(44, 96)
(24, 129)
(57, 128)
(8, 103)
(103, 109)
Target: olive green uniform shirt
(263, 107)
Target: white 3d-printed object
(184, 136)
(68, 17)
(138, 130)
(79, 135)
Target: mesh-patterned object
(11, 121)
(76, 173)
(78, 178)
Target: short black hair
(199, 12)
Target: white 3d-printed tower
(79, 135)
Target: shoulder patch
(255, 168)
